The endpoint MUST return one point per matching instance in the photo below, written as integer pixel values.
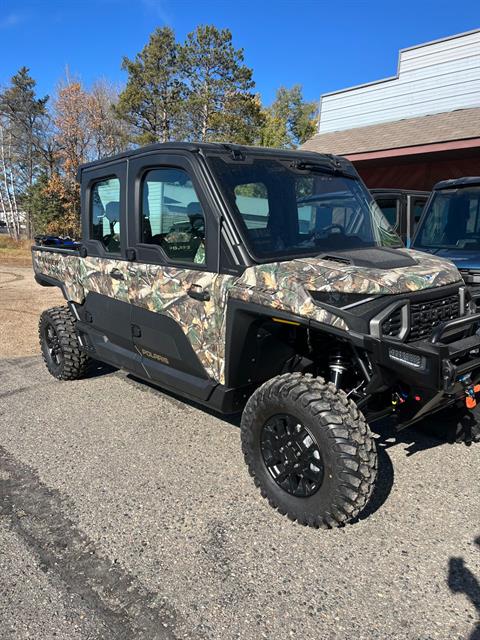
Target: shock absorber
(337, 366)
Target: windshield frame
(327, 165)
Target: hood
(462, 258)
(416, 271)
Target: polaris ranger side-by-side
(266, 281)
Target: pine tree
(220, 104)
(25, 141)
(151, 102)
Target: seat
(112, 213)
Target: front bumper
(434, 373)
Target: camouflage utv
(266, 281)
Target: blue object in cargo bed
(57, 241)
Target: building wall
(421, 172)
(432, 78)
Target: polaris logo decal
(154, 356)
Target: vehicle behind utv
(266, 281)
(450, 227)
(402, 208)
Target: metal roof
(458, 182)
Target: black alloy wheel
(291, 455)
(54, 348)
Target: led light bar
(409, 359)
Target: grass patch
(15, 252)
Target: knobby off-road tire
(324, 434)
(59, 344)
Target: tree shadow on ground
(462, 580)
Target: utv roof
(394, 191)
(458, 182)
(218, 147)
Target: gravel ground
(21, 301)
(127, 514)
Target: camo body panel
(315, 274)
(281, 286)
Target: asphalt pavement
(128, 514)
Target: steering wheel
(197, 223)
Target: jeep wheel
(309, 450)
(59, 344)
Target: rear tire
(309, 450)
(58, 341)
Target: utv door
(106, 312)
(173, 321)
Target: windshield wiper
(335, 170)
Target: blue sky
(323, 45)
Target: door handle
(117, 274)
(136, 331)
(197, 292)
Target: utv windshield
(452, 221)
(285, 211)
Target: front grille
(393, 324)
(425, 316)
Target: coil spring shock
(337, 365)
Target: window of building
(172, 216)
(105, 214)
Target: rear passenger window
(172, 216)
(105, 214)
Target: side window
(390, 211)
(172, 216)
(252, 202)
(105, 214)
(418, 204)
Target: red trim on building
(401, 152)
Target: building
(413, 129)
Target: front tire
(309, 450)
(60, 349)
